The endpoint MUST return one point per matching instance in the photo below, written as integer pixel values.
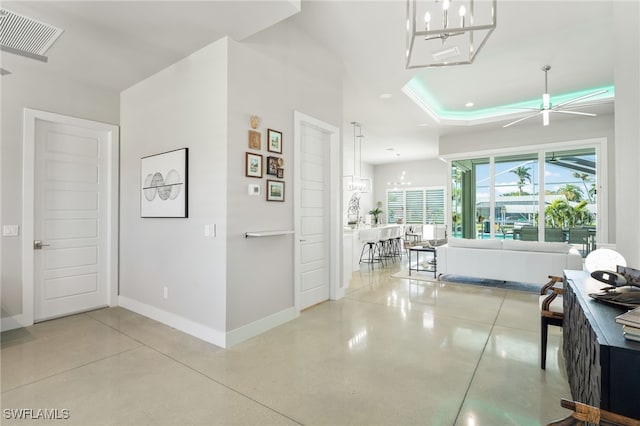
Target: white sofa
(507, 260)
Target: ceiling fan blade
(521, 109)
(585, 105)
(520, 119)
(588, 114)
(589, 95)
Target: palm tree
(571, 192)
(592, 192)
(558, 213)
(582, 215)
(584, 177)
(523, 175)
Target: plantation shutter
(435, 205)
(415, 206)
(395, 206)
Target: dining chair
(529, 233)
(580, 236)
(554, 235)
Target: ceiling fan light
(545, 117)
(546, 101)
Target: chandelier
(400, 183)
(447, 32)
(355, 182)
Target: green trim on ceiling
(428, 100)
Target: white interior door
(314, 214)
(70, 219)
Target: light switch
(11, 230)
(207, 230)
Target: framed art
(272, 166)
(253, 165)
(275, 190)
(280, 173)
(164, 184)
(254, 140)
(274, 141)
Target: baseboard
(255, 328)
(15, 321)
(176, 321)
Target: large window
(545, 196)
(416, 205)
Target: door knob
(37, 245)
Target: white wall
(626, 26)
(421, 174)
(527, 134)
(270, 75)
(184, 105)
(32, 85)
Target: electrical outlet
(166, 292)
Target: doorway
(317, 212)
(70, 215)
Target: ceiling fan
(546, 108)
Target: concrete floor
(392, 352)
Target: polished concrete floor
(393, 352)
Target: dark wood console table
(603, 367)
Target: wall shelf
(266, 233)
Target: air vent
(25, 36)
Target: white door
(70, 219)
(313, 192)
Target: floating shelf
(266, 233)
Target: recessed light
(423, 124)
(391, 149)
(386, 96)
(469, 104)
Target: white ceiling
(115, 44)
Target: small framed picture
(274, 143)
(254, 165)
(275, 190)
(254, 140)
(272, 166)
(280, 173)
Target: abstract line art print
(163, 179)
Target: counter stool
(370, 246)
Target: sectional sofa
(507, 260)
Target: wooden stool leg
(543, 343)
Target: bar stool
(370, 246)
(384, 242)
(396, 241)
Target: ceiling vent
(25, 36)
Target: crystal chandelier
(355, 182)
(447, 32)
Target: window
(417, 205)
(541, 195)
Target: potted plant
(375, 212)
